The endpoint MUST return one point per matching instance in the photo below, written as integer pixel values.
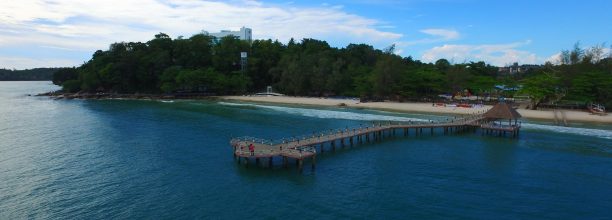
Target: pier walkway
(307, 147)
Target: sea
(151, 159)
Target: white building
(242, 34)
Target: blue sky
(40, 33)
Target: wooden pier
(307, 147)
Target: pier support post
(235, 152)
(285, 161)
(314, 161)
(432, 131)
(270, 162)
(300, 163)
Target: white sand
(572, 116)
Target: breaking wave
(318, 113)
(607, 134)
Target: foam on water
(607, 134)
(317, 113)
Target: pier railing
(305, 146)
(332, 134)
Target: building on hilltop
(515, 68)
(243, 34)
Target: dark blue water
(120, 159)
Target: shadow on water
(278, 173)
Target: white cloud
(437, 35)
(554, 59)
(90, 25)
(495, 54)
(444, 34)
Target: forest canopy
(310, 67)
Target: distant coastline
(136, 96)
(36, 74)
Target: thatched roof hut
(502, 111)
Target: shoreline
(405, 107)
(412, 107)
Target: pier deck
(306, 147)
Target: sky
(58, 33)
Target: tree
(564, 57)
(64, 74)
(388, 71)
(423, 81)
(226, 57)
(195, 52)
(442, 64)
(576, 54)
(168, 79)
(265, 55)
(540, 88)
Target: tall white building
(242, 34)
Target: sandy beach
(572, 116)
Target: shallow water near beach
(126, 159)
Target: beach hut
(503, 111)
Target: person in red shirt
(252, 149)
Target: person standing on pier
(252, 149)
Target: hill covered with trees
(36, 74)
(202, 64)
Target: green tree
(388, 72)
(541, 88)
(227, 51)
(64, 74)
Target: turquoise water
(120, 159)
